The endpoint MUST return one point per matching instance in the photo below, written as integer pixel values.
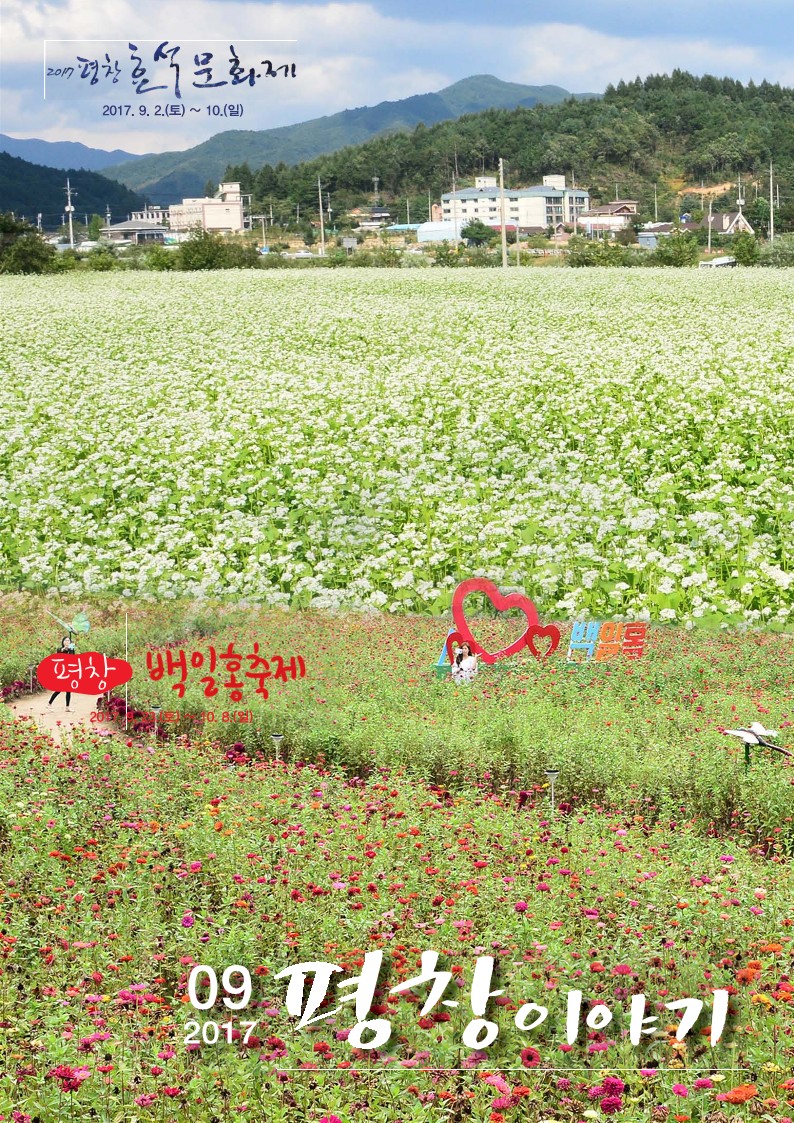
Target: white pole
(322, 224)
(771, 207)
(655, 205)
(70, 211)
(710, 205)
(502, 210)
(126, 660)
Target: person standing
(464, 666)
(67, 648)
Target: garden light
(156, 712)
(551, 776)
(277, 738)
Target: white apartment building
(528, 208)
(222, 214)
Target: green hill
(29, 189)
(666, 130)
(171, 176)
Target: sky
(348, 55)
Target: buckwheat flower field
(617, 443)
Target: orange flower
(740, 1094)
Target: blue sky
(352, 54)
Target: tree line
(659, 130)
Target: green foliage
(583, 252)
(745, 248)
(205, 249)
(779, 253)
(27, 188)
(160, 259)
(476, 233)
(95, 224)
(446, 255)
(102, 259)
(202, 250)
(388, 256)
(481, 257)
(22, 249)
(678, 249)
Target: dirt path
(54, 719)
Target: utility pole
(70, 210)
(655, 205)
(375, 182)
(711, 202)
(616, 193)
(107, 214)
(322, 224)
(771, 207)
(38, 221)
(502, 210)
(407, 212)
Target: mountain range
(30, 189)
(64, 153)
(171, 176)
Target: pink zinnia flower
(680, 1090)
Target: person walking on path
(67, 648)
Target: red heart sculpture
(502, 604)
(549, 630)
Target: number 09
(242, 992)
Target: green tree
(22, 249)
(679, 250)
(95, 224)
(583, 252)
(101, 260)
(476, 233)
(161, 259)
(202, 250)
(780, 253)
(446, 255)
(745, 248)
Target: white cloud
(347, 55)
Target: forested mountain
(665, 130)
(28, 189)
(64, 153)
(170, 176)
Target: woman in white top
(464, 664)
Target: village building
(527, 209)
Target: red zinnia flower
(530, 1058)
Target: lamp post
(277, 738)
(156, 712)
(551, 776)
(31, 669)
